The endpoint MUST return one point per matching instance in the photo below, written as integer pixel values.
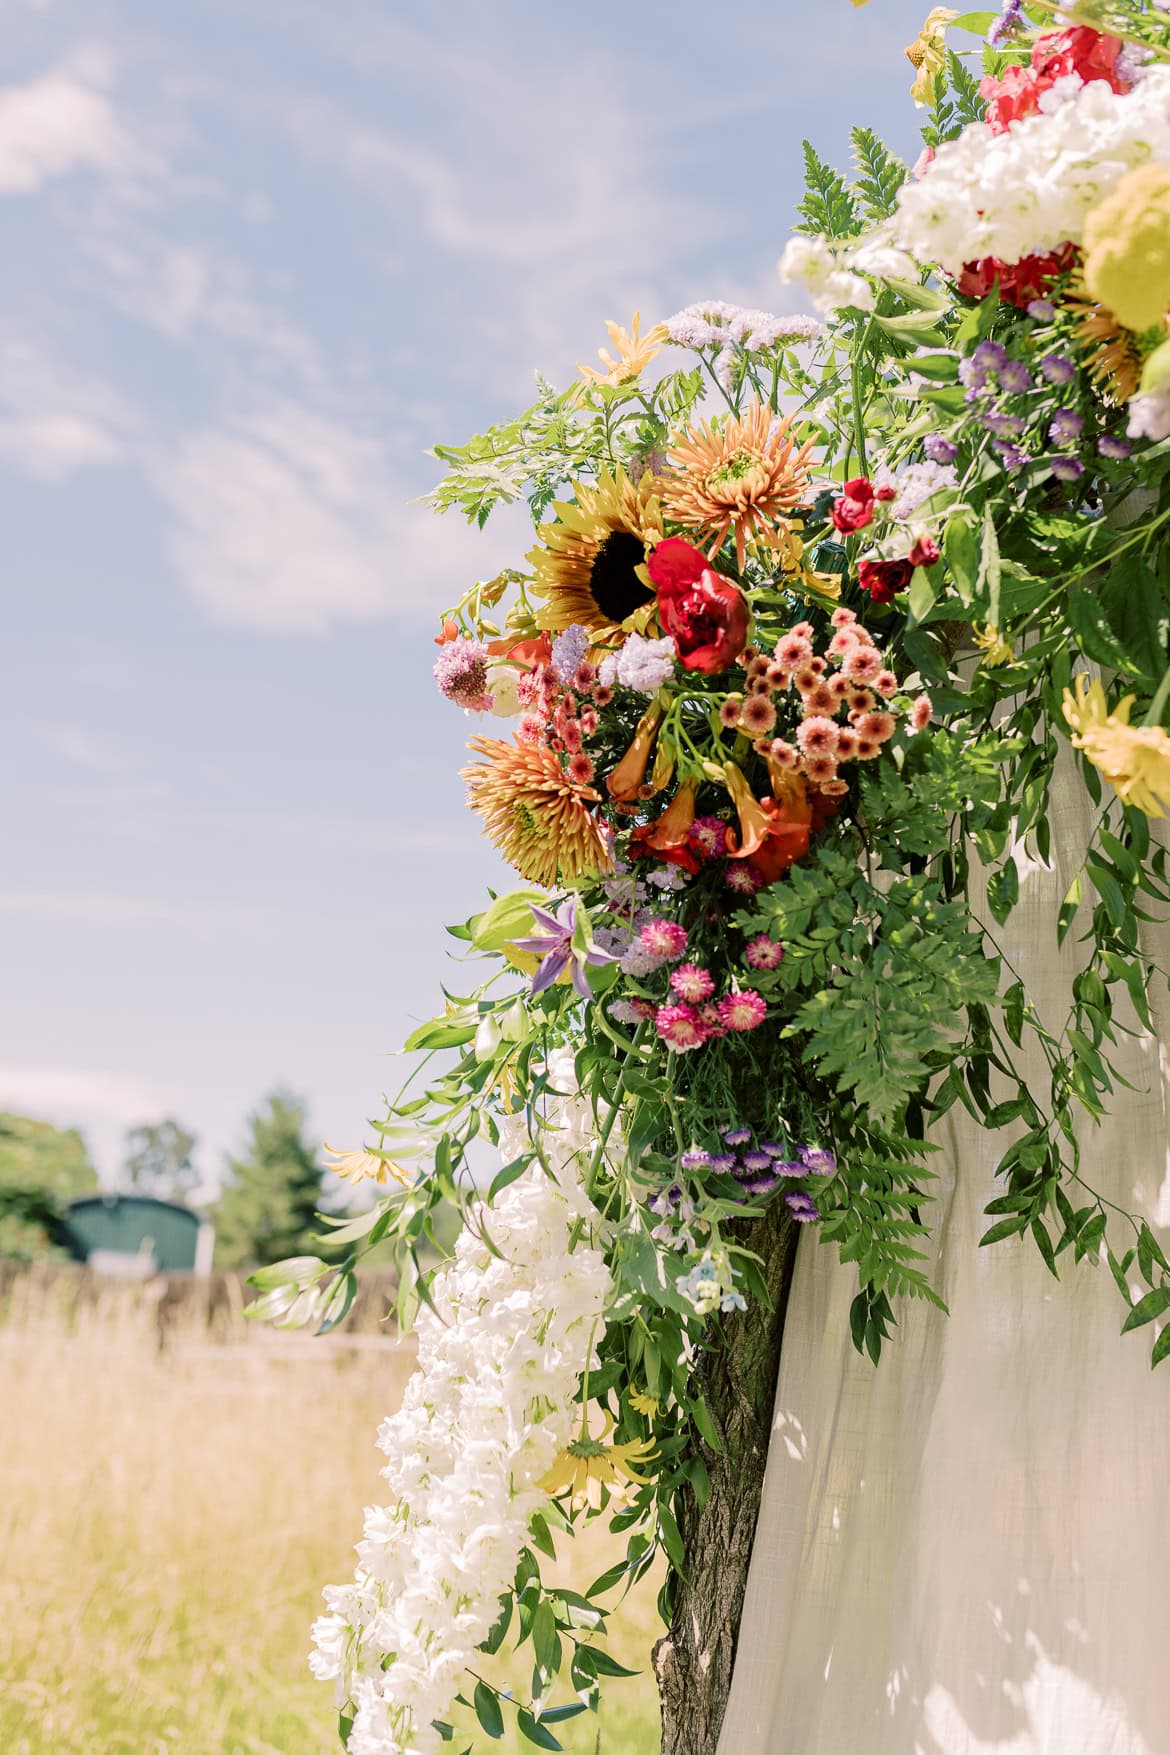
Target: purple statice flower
(556, 950)
(802, 1206)
(723, 1163)
(1067, 468)
(1041, 310)
(461, 673)
(1004, 27)
(756, 1161)
(1015, 378)
(817, 1160)
(938, 449)
(1058, 368)
(695, 1159)
(1066, 426)
(990, 356)
(1004, 426)
(568, 651)
(737, 1136)
(1011, 456)
(1109, 445)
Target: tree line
(265, 1209)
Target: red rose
(924, 553)
(704, 613)
(883, 578)
(1018, 282)
(854, 509)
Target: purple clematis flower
(556, 950)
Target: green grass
(166, 1524)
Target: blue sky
(259, 256)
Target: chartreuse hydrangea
(1127, 248)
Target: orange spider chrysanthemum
(740, 475)
(1115, 360)
(537, 816)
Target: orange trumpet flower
(630, 772)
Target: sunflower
(590, 568)
(1135, 759)
(538, 818)
(738, 476)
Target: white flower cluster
(828, 278)
(488, 1411)
(1030, 189)
(641, 664)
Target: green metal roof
(130, 1224)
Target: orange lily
(775, 831)
(668, 836)
(630, 772)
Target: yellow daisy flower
(588, 1465)
(634, 353)
(591, 567)
(643, 1402)
(1135, 759)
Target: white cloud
(55, 420)
(102, 1104)
(50, 447)
(289, 521)
(54, 125)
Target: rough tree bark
(693, 1661)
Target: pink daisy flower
(840, 688)
(742, 880)
(793, 651)
(806, 679)
(803, 630)
(665, 939)
(680, 1027)
(692, 983)
(886, 683)
(729, 712)
(920, 712)
(580, 769)
(846, 745)
(879, 726)
(843, 618)
(867, 749)
(602, 696)
(817, 666)
(861, 701)
(820, 769)
(529, 729)
(708, 837)
(763, 952)
(777, 675)
(817, 736)
(571, 736)
(822, 699)
(757, 716)
(588, 721)
(863, 664)
(743, 1011)
(784, 754)
(842, 643)
(585, 677)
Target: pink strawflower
(743, 1011)
(709, 1016)
(680, 1027)
(920, 712)
(665, 939)
(742, 879)
(580, 770)
(708, 837)
(692, 983)
(461, 673)
(763, 952)
(817, 736)
(863, 664)
(886, 683)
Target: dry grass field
(167, 1520)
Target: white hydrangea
(486, 1414)
(1029, 190)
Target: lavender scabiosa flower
(990, 356)
(1015, 378)
(1003, 28)
(737, 1136)
(1067, 468)
(461, 673)
(568, 651)
(763, 1182)
(940, 450)
(1004, 426)
(757, 1160)
(723, 1163)
(790, 1167)
(802, 1206)
(972, 374)
(1041, 310)
(1066, 426)
(1058, 368)
(817, 1160)
(1011, 456)
(1109, 445)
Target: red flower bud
(704, 613)
(925, 552)
(854, 510)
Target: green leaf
(1006, 1228)
(1155, 1303)
(961, 553)
(1161, 1347)
(505, 1177)
(1094, 635)
(535, 1732)
(441, 1033)
(487, 1710)
(920, 598)
(990, 570)
(545, 1639)
(604, 1665)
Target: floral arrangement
(815, 607)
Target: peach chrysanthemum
(863, 664)
(757, 716)
(538, 817)
(822, 699)
(820, 769)
(879, 726)
(817, 736)
(846, 745)
(738, 476)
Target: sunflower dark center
(616, 587)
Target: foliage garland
(810, 617)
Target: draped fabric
(966, 1550)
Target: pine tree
(266, 1211)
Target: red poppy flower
(705, 614)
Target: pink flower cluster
(557, 715)
(461, 673)
(684, 1026)
(851, 678)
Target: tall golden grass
(167, 1519)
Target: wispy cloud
(54, 419)
(60, 123)
(101, 1103)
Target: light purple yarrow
(1058, 368)
(624, 1011)
(940, 450)
(461, 673)
(1067, 468)
(643, 665)
(568, 651)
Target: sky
(259, 256)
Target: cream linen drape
(966, 1551)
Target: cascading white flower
(484, 1417)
